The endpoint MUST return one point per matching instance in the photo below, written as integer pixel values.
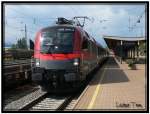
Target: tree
(21, 44)
(142, 48)
(13, 46)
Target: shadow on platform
(113, 74)
(111, 63)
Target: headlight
(76, 62)
(37, 62)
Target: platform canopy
(122, 45)
(113, 41)
(124, 38)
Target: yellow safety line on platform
(90, 106)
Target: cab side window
(85, 44)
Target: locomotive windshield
(57, 40)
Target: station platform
(115, 87)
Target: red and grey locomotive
(64, 55)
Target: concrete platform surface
(115, 87)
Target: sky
(104, 19)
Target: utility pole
(25, 30)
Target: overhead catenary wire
(138, 20)
(25, 16)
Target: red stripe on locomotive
(56, 56)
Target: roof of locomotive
(61, 25)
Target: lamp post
(121, 51)
(138, 50)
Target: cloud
(38, 16)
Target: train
(64, 55)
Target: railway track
(17, 62)
(39, 101)
(51, 102)
(24, 101)
(42, 101)
(17, 93)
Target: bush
(131, 63)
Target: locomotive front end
(56, 64)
